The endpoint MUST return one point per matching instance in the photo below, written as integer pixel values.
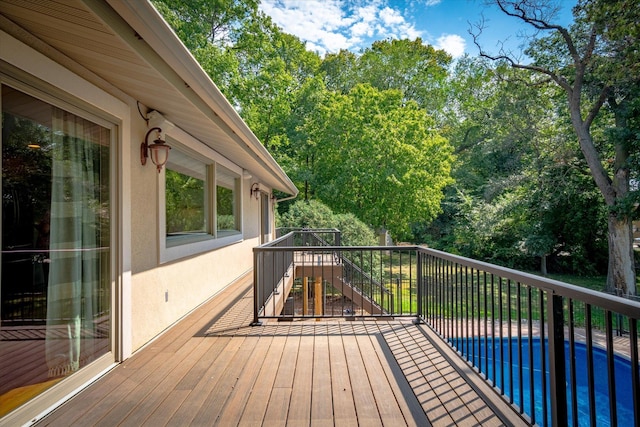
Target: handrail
(621, 305)
(478, 307)
(626, 306)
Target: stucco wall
(163, 293)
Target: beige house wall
(150, 296)
(162, 294)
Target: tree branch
(596, 106)
(514, 64)
(542, 24)
(520, 12)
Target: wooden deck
(212, 368)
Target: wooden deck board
(405, 398)
(321, 397)
(287, 365)
(158, 395)
(217, 382)
(200, 387)
(238, 398)
(227, 384)
(363, 396)
(166, 409)
(388, 408)
(341, 391)
(256, 407)
(300, 405)
(278, 407)
(163, 371)
(214, 369)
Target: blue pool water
(624, 395)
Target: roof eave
(146, 21)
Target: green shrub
(314, 214)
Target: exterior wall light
(255, 190)
(158, 149)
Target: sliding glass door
(55, 288)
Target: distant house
(100, 253)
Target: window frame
(236, 192)
(177, 247)
(177, 240)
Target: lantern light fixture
(158, 150)
(255, 190)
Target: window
(186, 197)
(201, 203)
(227, 211)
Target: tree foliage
(314, 214)
(416, 69)
(579, 61)
(476, 157)
(376, 156)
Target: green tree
(377, 157)
(273, 70)
(577, 60)
(418, 70)
(209, 29)
(307, 214)
(520, 196)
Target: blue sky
(331, 25)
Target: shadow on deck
(212, 368)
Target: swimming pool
(482, 358)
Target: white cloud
(366, 13)
(453, 44)
(331, 25)
(391, 17)
(362, 29)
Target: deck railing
(336, 280)
(513, 327)
(558, 353)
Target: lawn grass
(596, 283)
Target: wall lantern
(158, 150)
(255, 190)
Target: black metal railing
(304, 274)
(558, 353)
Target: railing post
(255, 322)
(419, 314)
(557, 375)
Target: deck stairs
(332, 268)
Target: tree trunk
(543, 265)
(621, 277)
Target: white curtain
(74, 273)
